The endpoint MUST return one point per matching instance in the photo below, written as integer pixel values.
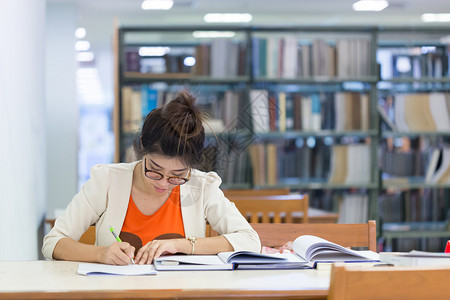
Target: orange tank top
(166, 223)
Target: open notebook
(307, 251)
(102, 269)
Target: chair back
(278, 208)
(346, 235)
(388, 283)
(254, 192)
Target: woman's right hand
(118, 253)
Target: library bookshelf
(298, 107)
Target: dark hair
(174, 130)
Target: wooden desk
(316, 215)
(59, 280)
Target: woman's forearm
(209, 245)
(68, 249)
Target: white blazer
(103, 201)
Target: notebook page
(102, 269)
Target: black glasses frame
(162, 176)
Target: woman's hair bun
(183, 116)
(175, 130)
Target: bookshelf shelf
(136, 77)
(321, 134)
(416, 80)
(391, 134)
(238, 80)
(414, 185)
(312, 185)
(317, 80)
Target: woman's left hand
(156, 248)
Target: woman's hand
(119, 253)
(156, 248)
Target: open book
(314, 249)
(224, 261)
(307, 251)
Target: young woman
(158, 205)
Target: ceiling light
(213, 34)
(436, 18)
(82, 46)
(227, 18)
(80, 33)
(370, 5)
(189, 61)
(85, 56)
(153, 51)
(157, 4)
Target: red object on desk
(447, 248)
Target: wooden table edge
(169, 294)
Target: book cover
(259, 106)
(297, 100)
(399, 112)
(289, 112)
(439, 111)
(432, 164)
(315, 113)
(442, 174)
(149, 100)
(306, 70)
(282, 115)
(306, 108)
(262, 57)
(415, 258)
(289, 68)
(417, 112)
(338, 169)
(272, 162)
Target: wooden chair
(253, 192)
(252, 206)
(87, 238)
(347, 235)
(388, 283)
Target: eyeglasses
(154, 175)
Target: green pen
(118, 239)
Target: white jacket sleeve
(84, 210)
(225, 218)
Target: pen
(118, 239)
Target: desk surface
(56, 279)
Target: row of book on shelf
(272, 57)
(268, 111)
(398, 206)
(339, 164)
(416, 111)
(282, 111)
(290, 57)
(430, 166)
(414, 62)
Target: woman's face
(173, 171)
